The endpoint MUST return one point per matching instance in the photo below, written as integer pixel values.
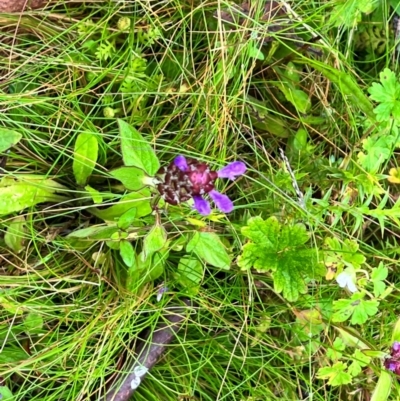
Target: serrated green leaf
(282, 250)
(356, 307)
(131, 177)
(209, 247)
(85, 157)
(15, 198)
(15, 234)
(8, 138)
(383, 387)
(190, 274)
(136, 151)
(139, 200)
(154, 241)
(335, 374)
(127, 253)
(380, 273)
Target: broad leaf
(383, 387)
(85, 157)
(127, 253)
(190, 274)
(154, 241)
(282, 250)
(136, 151)
(336, 374)
(359, 309)
(209, 247)
(15, 234)
(139, 200)
(126, 220)
(8, 138)
(131, 177)
(101, 232)
(15, 198)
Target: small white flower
(135, 383)
(138, 372)
(347, 279)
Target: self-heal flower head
(189, 178)
(392, 363)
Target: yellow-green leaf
(85, 157)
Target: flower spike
(189, 178)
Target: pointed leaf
(131, 177)
(8, 138)
(15, 234)
(139, 200)
(85, 157)
(209, 247)
(136, 151)
(15, 198)
(383, 387)
(154, 240)
(127, 253)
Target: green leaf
(356, 307)
(101, 232)
(383, 387)
(15, 234)
(95, 195)
(378, 276)
(378, 148)
(136, 151)
(335, 353)
(6, 394)
(387, 93)
(154, 241)
(335, 374)
(139, 200)
(190, 274)
(11, 355)
(360, 360)
(349, 12)
(349, 87)
(126, 220)
(127, 253)
(209, 247)
(85, 157)
(8, 138)
(33, 323)
(131, 177)
(283, 251)
(15, 198)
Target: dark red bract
(176, 185)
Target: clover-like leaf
(335, 374)
(356, 307)
(281, 250)
(387, 93)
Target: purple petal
(201, 205)
(222, 201)
(232, 170)
(181, 163)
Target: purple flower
(392, 363)
(189, 178)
